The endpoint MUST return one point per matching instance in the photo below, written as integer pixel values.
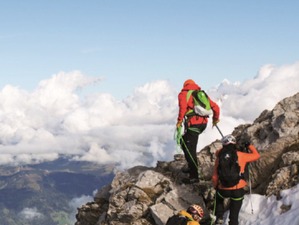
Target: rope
(190, 154)
(214, 210)
(179, 140)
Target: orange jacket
(185, 106)
(243, 158)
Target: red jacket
(243, 158)
(185, 106)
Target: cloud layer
(56, 119)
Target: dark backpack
(177, 220)
(228, 167)
(201, 102)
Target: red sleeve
(216, 109)
(182, 99)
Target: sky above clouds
(130, 43)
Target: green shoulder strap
(187, 98)
(189, 94)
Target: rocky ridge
(144, 196)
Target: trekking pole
(249, 182)
(250, 191)
(219, 130)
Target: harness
(234, 199)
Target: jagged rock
(290, 158)
(156, 213)
(103, 195)
(274, 133)
(144, 196)
(278, 183)
(89, 214)
(207, 158)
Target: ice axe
(219, 130)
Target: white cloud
(248, 99)
(54, 119)
(30, 213)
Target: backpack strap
(189, 94)
(190, 112)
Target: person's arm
(182, 106)
(253, 155)
(216, 111)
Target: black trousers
(190, 139)
(236, 198)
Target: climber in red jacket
(194, 125)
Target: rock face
(144, 196)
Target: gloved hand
(179, 123)
(215, 121)
(246, 144)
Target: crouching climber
(191, 216)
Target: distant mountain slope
(41, 193)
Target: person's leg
(219, 206)
(189, 147)
(237, 197)
(190, 139)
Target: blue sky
(138, 53)
(130, 43)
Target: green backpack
(201, 102)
